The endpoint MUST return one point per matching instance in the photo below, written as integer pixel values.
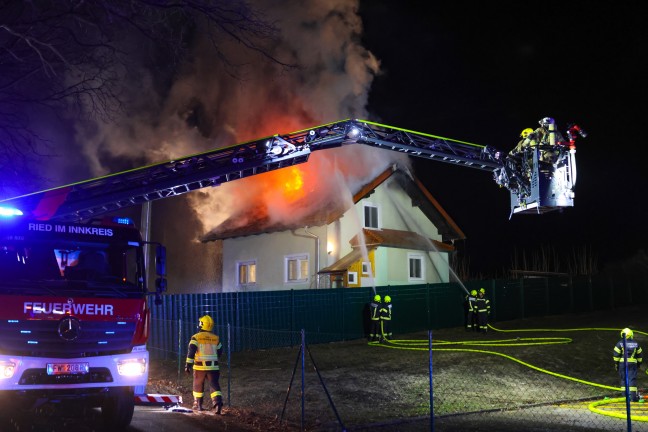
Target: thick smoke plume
(208, 107)
(207, 103)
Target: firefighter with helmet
(528, 139)
(385, 318)
(471, 310)
(482, 305)
(374, 315)
(634, 358)
(204, 351)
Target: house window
(416, 270)
(296, 268)
(352, 278)
(247, 272)
(371, 216)
(366, 268)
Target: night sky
(481, 73)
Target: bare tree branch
(72, 55)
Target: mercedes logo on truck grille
(69, 328)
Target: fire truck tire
(117, 409)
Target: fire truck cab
(74, 314)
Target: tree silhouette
(67, 58)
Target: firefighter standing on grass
(204, 351)
(482, 305)
(385, 318)
(471, 310)
(634, 356)
(374, 315)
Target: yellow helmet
(526, 132)
(387, 299)
(206, 323)
(377, 298)
(627, 332)
(473, 292)
(482, 290)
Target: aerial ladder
(537, 183)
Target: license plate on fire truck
(67, 368)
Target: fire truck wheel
(117, 409)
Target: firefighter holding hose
(471, 311)
(375, 332)
(482, 305)
(386, 318)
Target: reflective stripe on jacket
(204, 349)
(635, 354)
(482, 304)
(386, 312)
(374, 310)
(471, 303)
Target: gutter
(317, 252)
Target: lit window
(297, 268)
(247, 272)
(416, 270)
(370, 216)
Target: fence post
(427, 303)
(571, 293)
(229, 362)
(342, 308)
(547, 297)
(179, 349)
(590, 293)
(627, 382)
(431, 382)
(522, 311)
(493, 296)
(303, 377)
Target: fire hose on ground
(612, 407)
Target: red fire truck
(74, 316)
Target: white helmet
(545, 122)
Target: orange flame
(293, 186)
(285, 186)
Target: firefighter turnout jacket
(204, 350)
(482, 305)
(635, 354)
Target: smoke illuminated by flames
(208, 108)
(292, 182)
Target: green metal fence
(342, 314)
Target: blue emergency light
(10, 211)
(123, 220)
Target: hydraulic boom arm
(91, 198)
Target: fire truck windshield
(118, 265)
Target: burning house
(388, 231)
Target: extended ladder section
(527, 181)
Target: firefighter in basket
(204, 351)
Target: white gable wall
(395, 212)
(269, 252)
(401, 215)
(392, 267)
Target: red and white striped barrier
(157, 399)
